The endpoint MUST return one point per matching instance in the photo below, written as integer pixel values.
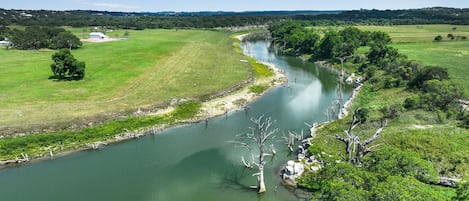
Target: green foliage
(391, 111)
(397, 188)
(428, 73)
(260, 70)
(382, 55)
(388, 174)
(292, 38)
(258, 89)
(65, 39)
(340, 190)
(361, 115)
(379, 37)
(465, 121)
(394, 162)
(36, 37)
(462, 192)
(352, 39)
(330, 45)
(65, 66)
(440, 94)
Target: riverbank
(235, 98)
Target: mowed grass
(149, 69)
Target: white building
(98, 35)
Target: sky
(219, 5)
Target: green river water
(191, 162)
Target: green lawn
(451, 55)
(419, 33)
(149, 69)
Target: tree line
(294, 39)
(37, 37)
(81, 18)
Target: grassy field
(419, 33)
(415, 41)
(451, 55)
(149, 69)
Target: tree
(260, 135)
(451, 36)
(351, 37)
(439, 95)
(379, 37)
(428, 73)
(355, 148)
(65, 66)
(330, 45)
(65, 39)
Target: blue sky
(219, 5)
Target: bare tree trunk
(260, 135)
(260, 181)
(355, 148)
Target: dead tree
(256, 143)
(291, 138)
(355, 148)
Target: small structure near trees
(98, 35)
(256, 143)
(65, 66)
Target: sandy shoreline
(211, 108)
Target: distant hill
(211, 19)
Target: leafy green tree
(65, 39)
(451, 36)
(382, 55)
(379, 37)
(65, 66)
(440, 94)
(428, 73)
(351, 38)
(330, 45)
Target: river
(193, 162)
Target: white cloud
(110, 5)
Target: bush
(258, 89)
(412, 102)
(394, 162)
(465, 121)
